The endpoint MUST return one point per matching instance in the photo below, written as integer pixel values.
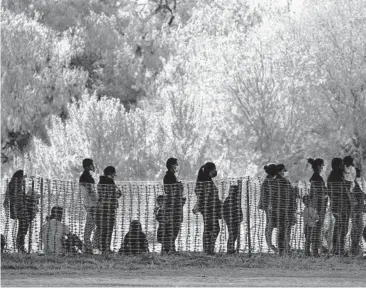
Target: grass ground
(188, 269)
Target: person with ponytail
(270, 169)
(209, 205)
(319, 198)
(340, 204)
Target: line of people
(346, 202)
(278, 201)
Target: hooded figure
(108, 203)
(209, 205)
(135, 241)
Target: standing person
(174, 202)
(357, 215)
(349, 172)
(318, 197)
(87, 186)
(340, 203)
(15, 200)
(264, 201)
(108, 203)
(283, 203)
(163, 216)
(209, 205)
(311, 218)
(233, 216)
(53, 232)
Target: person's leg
(356, 233)
(230, 240)
(281, 237)
(111, 219)
(176, 229)
(336, 234)
(269, 231)
(345, 216)
(207, 232)
(214, 235)
(307, 240)
(88, 230)
(22, 232)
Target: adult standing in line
(319, 198)
(108, 203)
(357, 215)
(87, 186)
(15, 199)
(340, 203)
(209, 205)
(283, 202)
(264, 201)
(174, 203)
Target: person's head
(270, 169)
(317, 165)
(88, 164)
(307, 201)
(207, 172)
(160, 200)
(18, 175)
(172, 165)
(337, 164)
(135, 226)
(281, 170)
(56, 213)
(348, 161)
(110, 172)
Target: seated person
(53, 232)
(135, 241)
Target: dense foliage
(131, 83)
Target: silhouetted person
(108, 203)
(90, 197)
(264, 201)
(135, 241)
(233, 216)
(319, 200)
(357, 215)
(340, 205)
(209, 205)
(283, 202)
(311, 218)
(15, 200)
(174, 202)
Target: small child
(233, 215)
(135, 241)
(310, 218)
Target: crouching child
(233, 216)
(135, 241)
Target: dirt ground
(189, 277)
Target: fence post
(41, 215)
(248, 220)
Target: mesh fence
(250, 215)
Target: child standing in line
(233, 216)
(310, 218)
